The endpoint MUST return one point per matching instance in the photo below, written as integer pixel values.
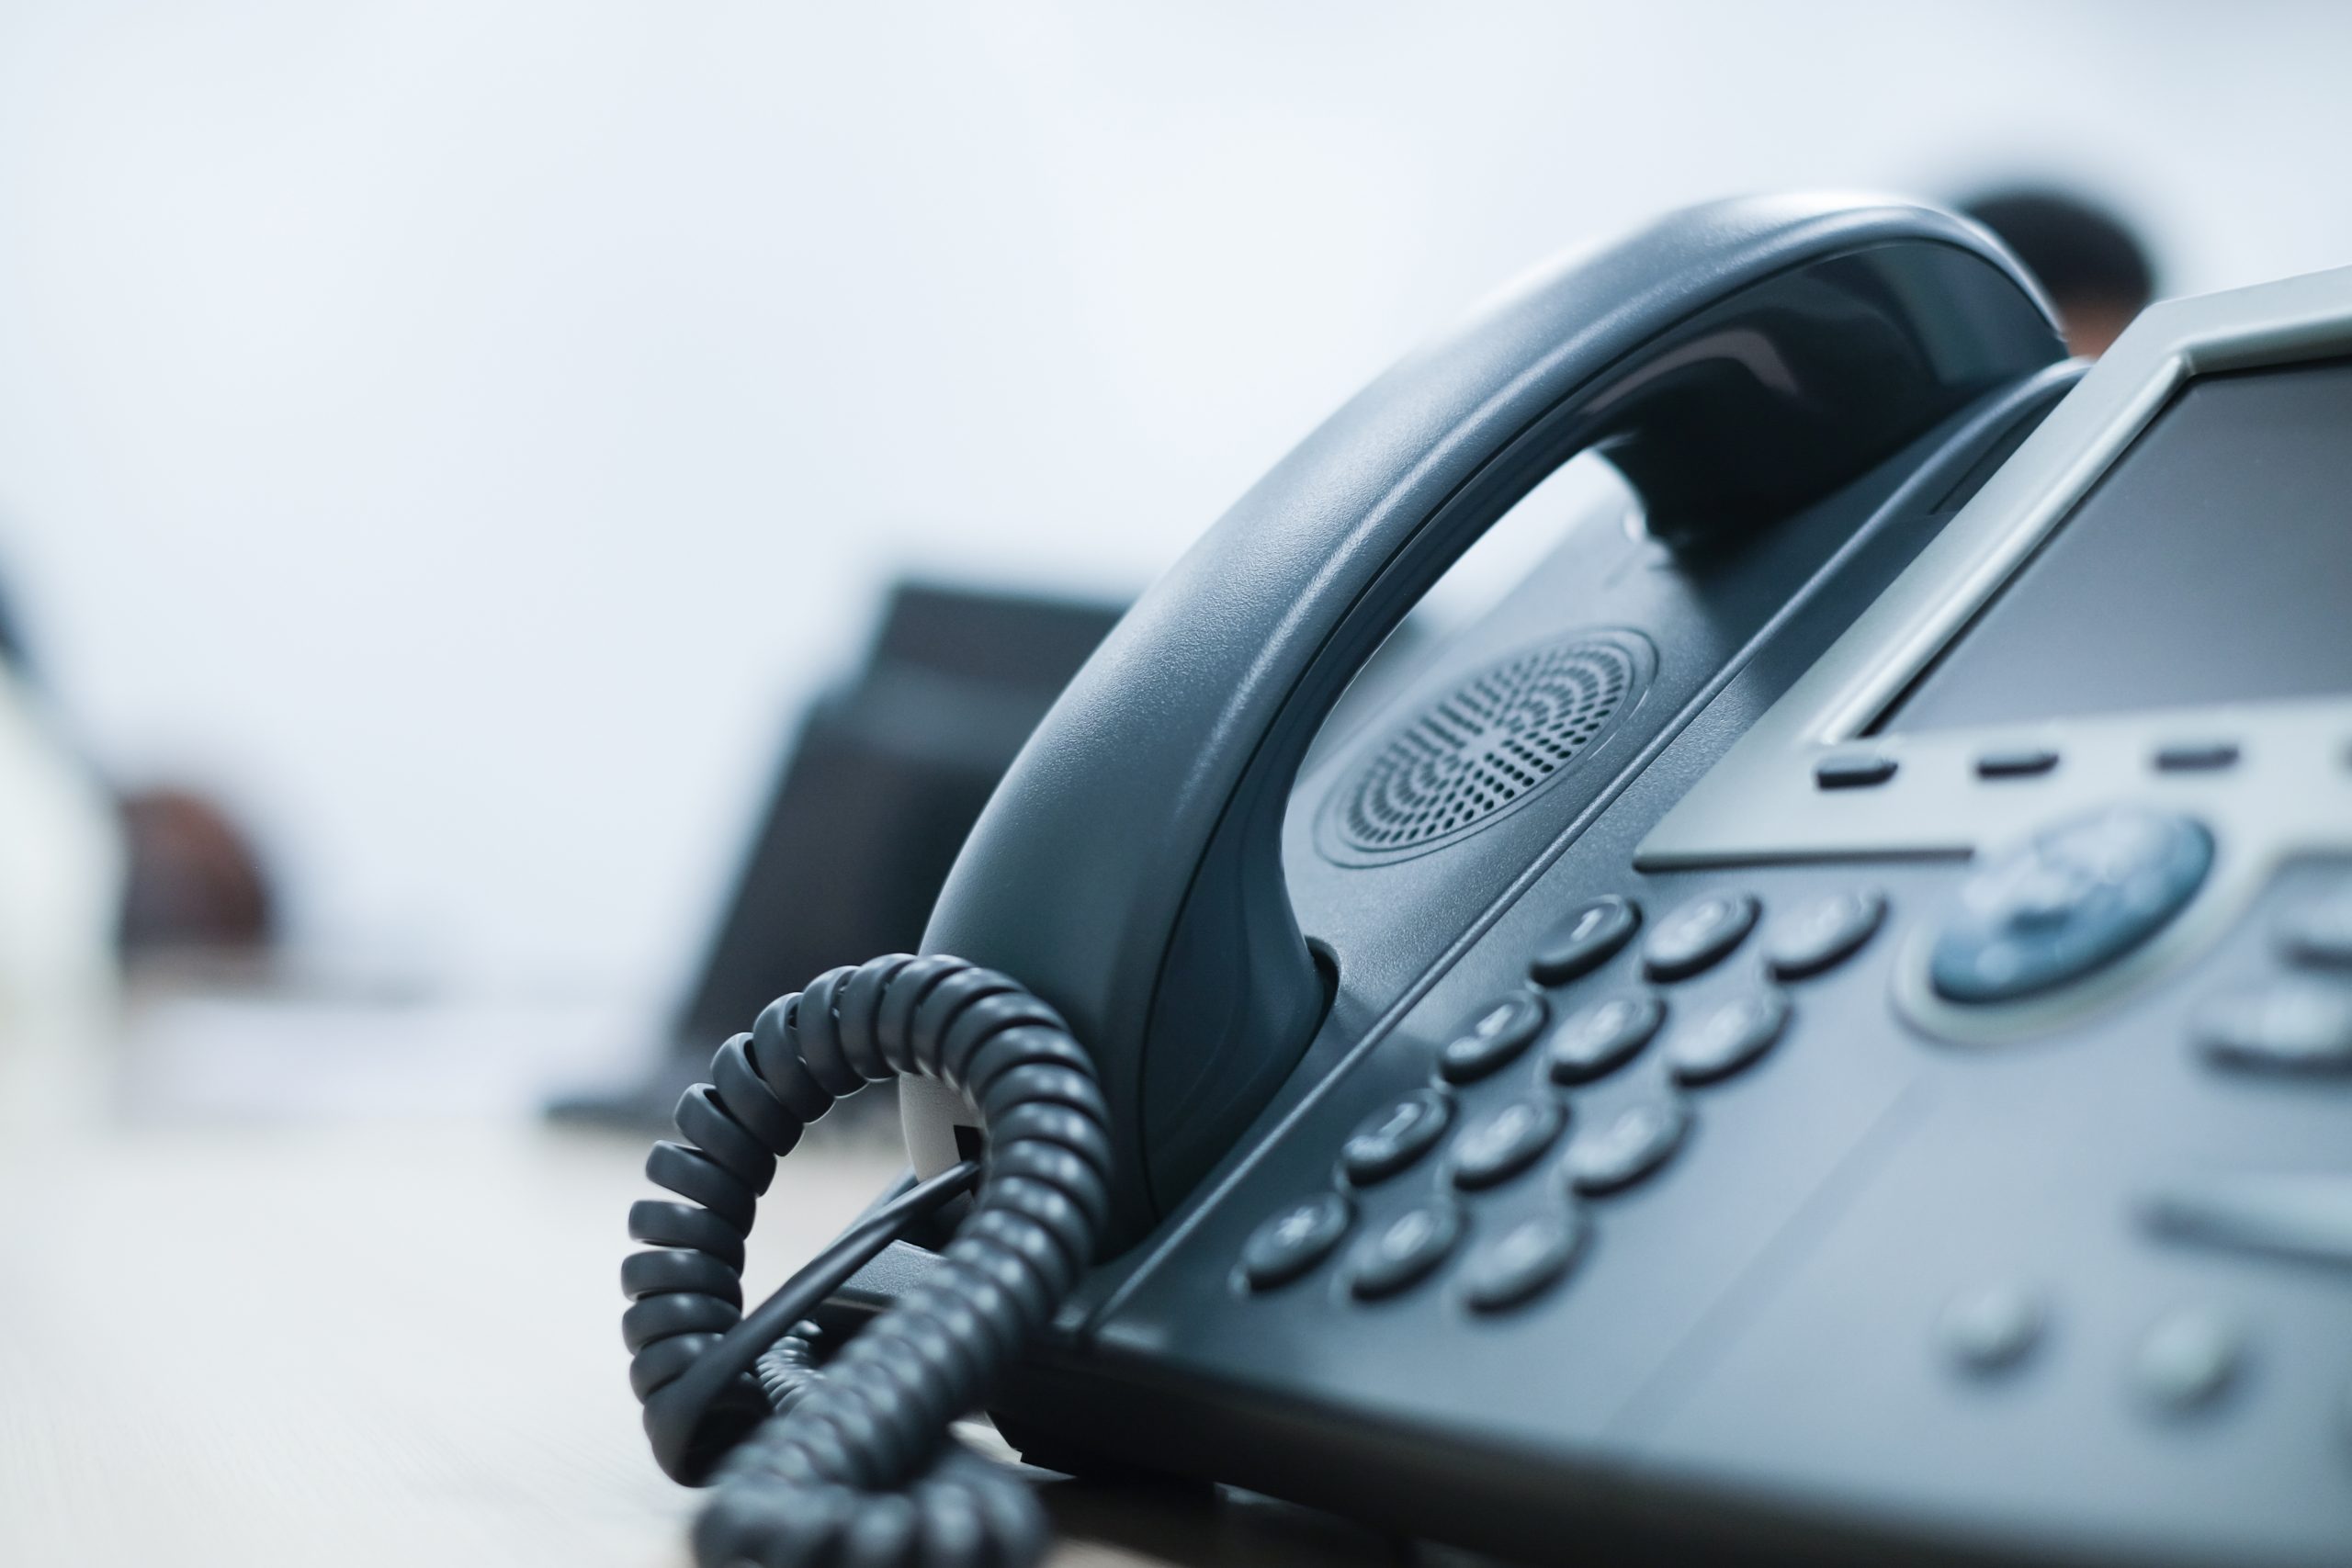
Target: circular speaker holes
(1486, 747)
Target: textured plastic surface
(1736, 360)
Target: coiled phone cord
(849, 1461)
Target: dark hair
(2079, 251)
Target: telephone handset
(1287, 1105)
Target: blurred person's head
(2094, 268)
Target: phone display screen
(2211, 563)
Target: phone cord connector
(849, 1461)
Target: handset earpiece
(1732, 361)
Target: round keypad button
(1294, 1240)
(1821, 933)
(1992, 1327)
(1491, 1152)
(1524, 1261)
(1729, 1039)
(1627, 1147)
(1587, 937)
(1389, 1139)
(1403, 1252)
(2188, 1360)
(1497, 1033)
(1598, 1040)
(1698, 936)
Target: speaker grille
(1488, 747)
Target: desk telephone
(1821, 1026)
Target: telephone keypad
(1294, 1240)
(1492, 1151)
(1698, 935)
(1496, 1034)
(1598, 1040)
(1822, 933)
(1627, 1148)
(1388, 1141)
(1524, 1261)
(1728, 1039)
(1405, 1250)
(1587, 937)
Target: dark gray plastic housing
(1733, 361)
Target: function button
(2015, 763)
(1822, 933)
(1496, 1035)
(1390, 1140)
(2073, 899)
(1728, 1039)
(2290, 1215)
(1856, 770)
(2318, 931)
(2290, 1026)
(1524, 1261)
(1993, 1327)
(1628, 1146)
(2186, 1360)
(1494, 1150)
(1587, 938)
(2195, 756)
(1698, 935)
(1598, 1040)
(1403, 1252)
(1294, 1241)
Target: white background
(461, 433)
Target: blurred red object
(194, 879)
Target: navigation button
(1524, 1261)
(1698, 935)
(1729, 1039)
(2074, 898)
(1587, 938)
(1496, 1034)
(1403, 1252)
(1598, 1040)
(1822, 933)
(1294, 1240)
(1389, 1139)
(2291, 1026)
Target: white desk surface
(243, 1332)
